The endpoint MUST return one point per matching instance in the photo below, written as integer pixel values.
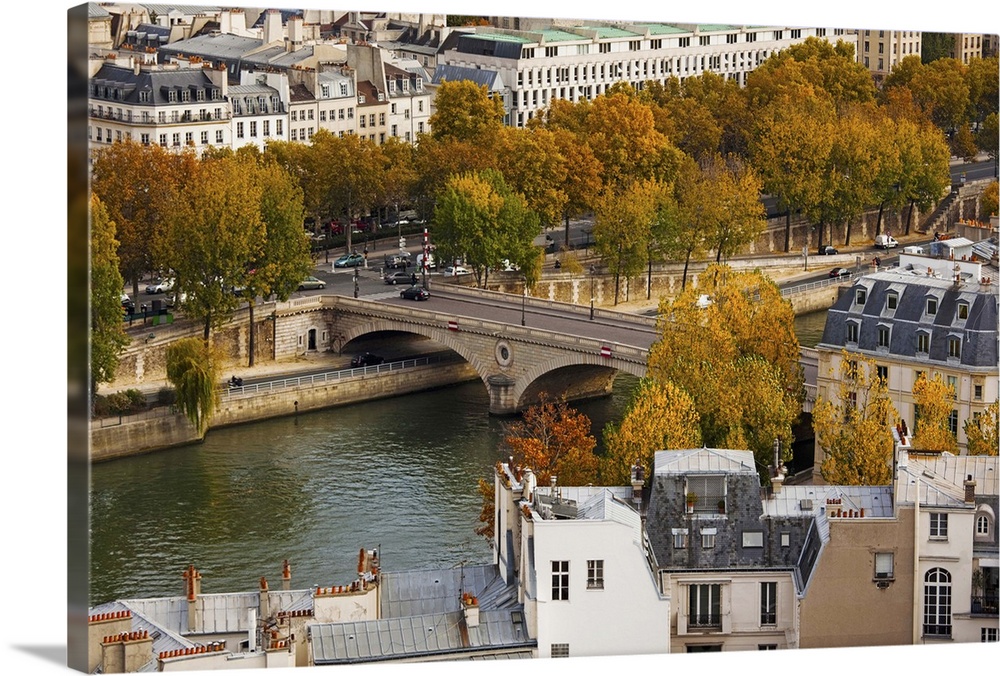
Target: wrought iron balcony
(985, 605)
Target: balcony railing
(704, 620)
(937, 630)
(985, 605)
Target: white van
(885, 242)
(431, 263)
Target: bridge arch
(576, 374)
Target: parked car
(454, 271)
(885, 242)
(397, 260)
(415, 293)
(311, 282)
(399, 277)
(836, 273)
(128, 305)
(367, 359)
(431, 262)
(827, 250)
(160, 286)
(351, 260)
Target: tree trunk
(567, 230)
(847, 234)
(617, 277)
(208, 326)
(253, 334)
(649, 278)
(909, 216)
(819, 245)
(878, 223)
(788, 230)
(684, 277)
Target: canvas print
(425, 337)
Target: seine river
(398, 474)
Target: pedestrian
(413, 279)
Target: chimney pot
(970, 490)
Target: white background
(32, 279)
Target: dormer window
(852, 332)
(955, 347)
(963, 310)
(923, 342)
(392, 86)
(884, 333)
(891, 300)
(343, 89)
(381, 96)
(361, 99)
(932, 305)
(419, 85)
(406, 85)
(860, 296)
(326, 91)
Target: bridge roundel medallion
(503, 352)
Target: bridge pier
(502, 401)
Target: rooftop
(704, 461)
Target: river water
(398, 474)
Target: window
(937, 602)
(891, 300)
(176, 138)
(595, 574)
(883, 565)
(239, 130)
(988, 634)
(704, 40)
(751, 37)
(767, 646)
(371, 120)
(603, 48)
(953, 384)
(977, 392)
(560, 650)
(295, 116)
(267, 127)
(753, 538)
(953, 423)
(709, 491)
(253, 129)
(932, 306)
(852, 332)
(860, 296)
(883, 336)
(939, 526)
(955, 348)
(656, 44)
(704, 605)
(882, 372)
(923, 342)
(779, 35)
(786, 539)
(204, 138)
(551, 51)
(680, 537)
(163, 139)
(768, 603)
(560, 580)
(796, 33)
(730, 38)
(685, 42)
(381, 119)
(279, 127)
(983, 524)
(219, 136)
(708, 538)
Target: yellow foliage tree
(854, 429)
(982, 431)
(933, 399)
(660, 416)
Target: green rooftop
(714, 27)
(661, 29)
(553, 35)
(610, 32)
(500, 37)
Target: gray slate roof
(156, 82)
(978, 332)
(489, 78)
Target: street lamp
(592, 271)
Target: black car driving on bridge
(415, 293)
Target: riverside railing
(810, 286)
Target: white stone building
(582, 61)
(259, 109)
(880, 51)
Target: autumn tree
(399, 175)
(487, 512)
(933, 399)
(532, 164)
(982, 431)
(465, 111)
(981, 75)
(216, 231)
(941, 90)
(107, 337)
(660, 416)
(987, 138)
(739, 216)
(350, 173)
(854, 427)
(137, 184)
(695, 205)
(988, 200)
(191, 369)
(553, 439)
(623, 227)
(582, 181)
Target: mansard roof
(124, 85)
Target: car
(128, 305)
(837, 273)
(367, 359)
(160, 286)
(399, 277)
(311, 282)
(351, 260)
(827, 250)
(397, 260)
(885, 242)
(454, 271)
(415, 293)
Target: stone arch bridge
(561, 353)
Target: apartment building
(880, 51)
(582, 61)
(177, 106)
(935, 313)
(259, 109)
(966, 46)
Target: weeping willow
(191, 370)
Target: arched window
(937, 602)
(984, 524)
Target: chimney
(529, 484)
(272, 26)
(286, 576)
(638, 479)
(251, 630)
(295, 33)
(470, 609)
(192, 588)
(970, 490)
(777, 470)
(264, 610)
(126, 652)
(99, 628)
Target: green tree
(582, 180)
(854, 429)
(982, 432)
(693, 218)
(351, 173)
(623, 227)
(984, 88)
(935, 46)
(963, 144)
(740, 216)
(107, 337)
(940, 88)
(660, 416)
(934, 400)
(216, 232)
(987, 139)
(532, 164)
(191, 369)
